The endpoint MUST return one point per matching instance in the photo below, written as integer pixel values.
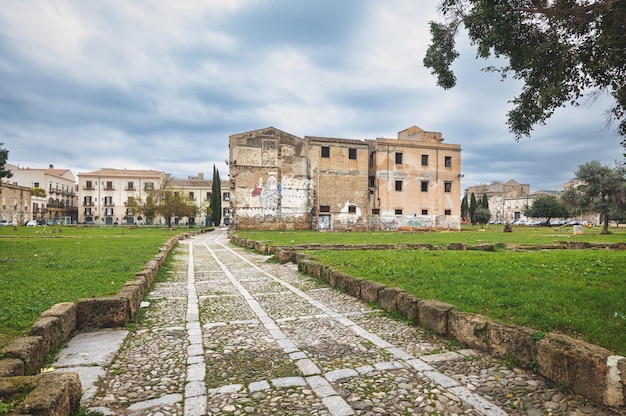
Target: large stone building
(58, 186)
(281, 181)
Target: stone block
(11, 367)
(457, 246)
(407, 305)
(573, 363)
(434, 315)
(370, 290)
(66, 312)
(325, 273)
(29, 350)
(342, 280)
(55, 394)
(104, 312)
(469, 328)
(388, 298)
(50, 328)
(506, 341)
(134, 293)
(353, 287)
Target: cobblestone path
(231, 333)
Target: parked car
(5, 223)
(31, 223)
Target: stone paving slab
(233, 334)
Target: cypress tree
(216, 198)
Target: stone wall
(586, 369)
(59, 393)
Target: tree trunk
(605, 225)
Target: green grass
(469, 235)
(38, 270)
(581, 293)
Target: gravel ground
(236, 334)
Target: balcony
(88, 188)
(109, 204)
(130, 189)
(109, 188)
(88, 203)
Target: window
(399, 186)
(398, 212)
(424, 160)
(424, 186)
(192, 196)
(108, 211)
(325, 151)
(226, 211)
(109, 185)
(87, 200)
(375, 211)
(89, 185)
(447, 212)
(208, 195)
(149, 186)
(447, 186)
(398, 158)
(371, 159)
(36, 185)
(87, 211)
(448, 161)
(371, 181)
(424, 212)
(130, 186)
(352, 153)
(324, 208)
(108, 200)
(352, 209)
(226, 196)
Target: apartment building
(281, 181)
(199, 190)
(59, 199)
(105, 193)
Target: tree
(603, 191)
(4, 173)
(485, 202)
(472, 207)
(482, 215)
(546, 206)
(464, 208)
(216, 198)
(560, 49)
(175, 204)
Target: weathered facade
(198, 190)
(15, 203)
(283, 182)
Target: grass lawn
(39, 268)
(581, 293)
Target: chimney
(201, 176)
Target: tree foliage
(603, 191)
(175, 204)
(546, 206)
(464, 208)
(560, 49)
(4, 172)
(216, 198)
(472, 207)
(482, 215)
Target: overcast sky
(90, 84)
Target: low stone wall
(589, 370)
(59, 393)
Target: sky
(162, 84)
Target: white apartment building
(61, 199)
(199, 190)
(105, 193)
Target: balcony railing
(88, 188)
(88, 203)
(109, 204)
(109, 188)
(130, 188)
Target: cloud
(162, 84)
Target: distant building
(199, 190)
(15, 203)
(105, 193)
(61, 197)
(281, 181)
